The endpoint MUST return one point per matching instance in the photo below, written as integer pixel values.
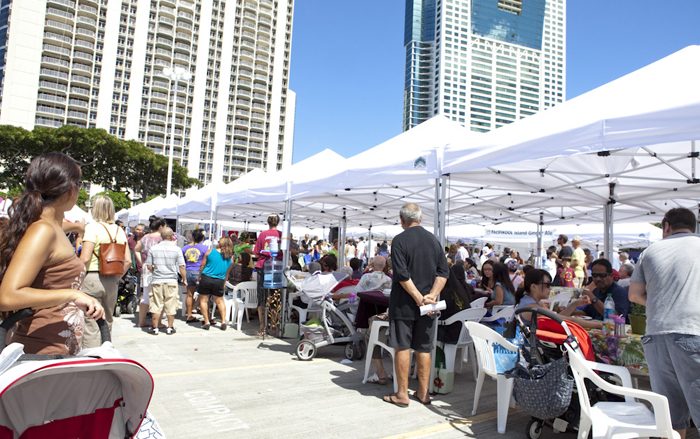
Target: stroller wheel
(306, 350)
(534, 428)
(117, 310)
(131, 305)
(355, 351)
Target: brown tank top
(57, 329)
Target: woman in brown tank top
(38, 266)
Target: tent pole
(368, 252)
(436, 220)
(538, 263)
(443, 208)
(286, 231)
(341, 240)
(608, 225)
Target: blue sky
(348, 60)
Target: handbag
(543, 391)
(111, 258)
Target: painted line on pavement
(446, 426)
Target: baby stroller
(335, 326)
(545, 388)
(127, 301)
(53, 396)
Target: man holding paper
(420, 272)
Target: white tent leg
(608, 224)
(538, 261)
(341, 240)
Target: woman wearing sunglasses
(536, 293)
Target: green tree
(117, 165)
(120, 200)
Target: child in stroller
(335, 326)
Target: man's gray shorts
(674, 371)
(413, 334)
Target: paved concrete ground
(231, 383)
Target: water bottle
(608, 311)
(274, 246)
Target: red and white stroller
(98, 394)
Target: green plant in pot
(638, 318)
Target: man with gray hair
(626, 271)
(420, 272)
(165, 260)
(666, 280)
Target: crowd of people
(71, 283)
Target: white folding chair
(484, 338)
(464, 341)
(245, 297)
(374, 341)
(506, 312)
(618, 419)
(478, 303)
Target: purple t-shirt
(193, 256)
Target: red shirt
(262, 246)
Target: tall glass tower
(483, 63)
(100, 63)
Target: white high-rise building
(483, 63)
(99, 63)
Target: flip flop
(391, 399)
(429, 401)
(192, 320)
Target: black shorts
(210, 286)
(413, 334)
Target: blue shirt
(508, 297)
(216, 265)
(619, 295)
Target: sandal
(191, 320)
(428, 401)
(206, 326)
(391, 399)
(261, 334)
(374, 379)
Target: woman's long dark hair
(502, 275)
(485, 280)
(48, 177)
(457, 286)
(155, 223)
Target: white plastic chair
(464, 341)
(484, 338)
(378, 325)
(478, 303)
(615, 419)
(245, 297)
(500, 312)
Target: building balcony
(91, 10)
(86, 33)
(59, 25)
(55, 62)
(77, 103)
(80, 91)
(86, 21)
(60, 14)
(51, 73)
(48, 97)
(66, 3)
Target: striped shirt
(166, 258)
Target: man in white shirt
(462, 253)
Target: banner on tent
(511, 235)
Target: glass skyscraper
(483, 63)
(99, 63)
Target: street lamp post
(175, 74)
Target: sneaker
(170, 331)
(223, 326)
(155, 331)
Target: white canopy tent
(630, 143)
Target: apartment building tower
(483, 63)
(100, 63)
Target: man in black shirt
(419, 273)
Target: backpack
(111, 257)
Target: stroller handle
(16, 316)
(542, 311)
